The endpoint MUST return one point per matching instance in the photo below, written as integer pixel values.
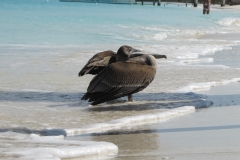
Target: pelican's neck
(122, 56)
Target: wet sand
(209, 133)
(222, 36)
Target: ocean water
(44, 44)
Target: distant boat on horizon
(102, 1)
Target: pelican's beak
(134, 50)
(137, 52)
(158, 56)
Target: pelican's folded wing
(120, 79)
(98, 62)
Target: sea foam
(206, 85)
(230, 22)
(55, 148)
(128, 122)
(131, 121)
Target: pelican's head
(124, 52)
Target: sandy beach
(209, 133)
(189, 111)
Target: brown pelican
(118, 75)
(102, 59)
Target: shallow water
(44, 45)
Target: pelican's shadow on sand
(58, 132)
(150, 101)
(44, 132)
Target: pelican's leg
(130, 98)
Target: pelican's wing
(98, 62)
(119, 79)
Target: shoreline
(213, 132)
(208, 133)
(227, 6)
(41, 108)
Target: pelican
(119, 74)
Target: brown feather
(98, 62)
(120, 79)
(118, 74)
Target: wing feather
(119, 79)
(98, 62)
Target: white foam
(230, 22)
(160, 36)
(205, 86)
(156, 37)
(187, 53)
(58, 148)
(131, 121)
(200, 60)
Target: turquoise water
(43, 46)
(54, 22)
